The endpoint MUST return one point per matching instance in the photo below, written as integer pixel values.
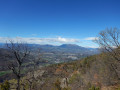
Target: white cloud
(66, 40)
(86, 42)
(32, 40)
(91, 38)
(93, 46)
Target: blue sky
(57, 21)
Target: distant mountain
(72, 46)
(78, 49)
(64, 48)
(2, 45)
(69, 45)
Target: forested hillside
(91, 73)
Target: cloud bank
(32, 40)
(85, 42)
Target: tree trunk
(18, 84)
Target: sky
(57, 21)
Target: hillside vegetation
(49, 54)
(91, 73)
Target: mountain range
(64, 48)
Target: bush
(57, 84)
(74, 77)
(94, 88)
(5, 86)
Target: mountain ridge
(66, 48)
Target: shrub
(57, 84)
(5, 86)
(94, 88)
(74, 77)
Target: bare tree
(109, 41)
(19, 52)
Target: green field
(4, 72)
